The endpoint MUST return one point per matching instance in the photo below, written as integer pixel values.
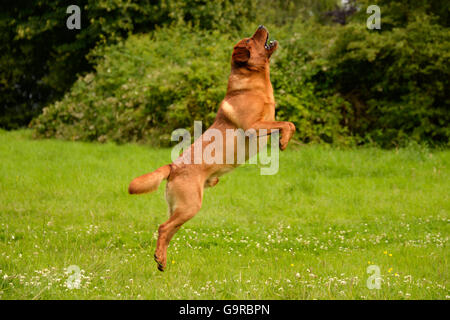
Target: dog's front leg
(286, 129)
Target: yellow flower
(385, 252)
(368, 262)
(390, 254)
(292, 264)
(390, 270)
(173, 261)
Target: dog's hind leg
(184, 198)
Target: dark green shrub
(397, 81)
(144, 88)
(318, 112)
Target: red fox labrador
(248, 104)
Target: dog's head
(254, 52)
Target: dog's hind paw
(160, 265)
(211, 182)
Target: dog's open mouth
(271, 44)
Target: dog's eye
(248, 40)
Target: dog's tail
(149, 182)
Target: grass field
(309, 232)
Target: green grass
(309, 232)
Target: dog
(249, 104)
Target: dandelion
(368, 262)
(390, 270)
(385, 252)
(173, 261)
(390, 254)
(292, 264)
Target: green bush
(144, 88)
(396, 81)
(318, 112)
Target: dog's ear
(240, 54)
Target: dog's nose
(261, 27)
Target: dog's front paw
(285, 140)
(286, 136)
(291, 127)
(283, 145)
